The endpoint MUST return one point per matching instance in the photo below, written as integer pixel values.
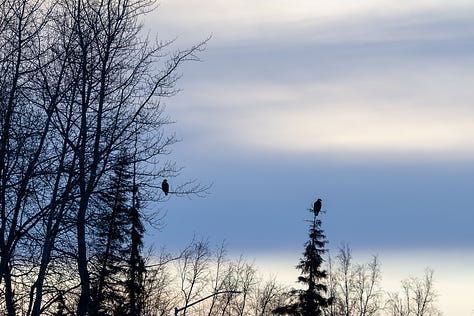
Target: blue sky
(365, 104)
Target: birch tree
(80, 82)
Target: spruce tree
(112, 242)
(136, 263)
(312, 300)
(117, 281)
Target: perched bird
(165, 186)
(317, 207)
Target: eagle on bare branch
(165, 186)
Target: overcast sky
(365, 104)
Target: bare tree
(355, 287)
(345, 281)
(418, 297)
(115, 98)
(333, 309)
(193, 271)
(220, 257)
(23, 131)
(160, 295)
(79, 83)
(367, 288)
(238, 279)
(267, 295)
(247, 281)
(235, 281)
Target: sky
(364, 104)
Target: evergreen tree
(312, 300)
(118, 273)
(112, 242)
(136, 264)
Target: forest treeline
(168, 281)
(83, 148)
(175, 281)
(82, 143)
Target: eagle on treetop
(165, 186)
(317, 207)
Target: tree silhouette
(312, 300)
(120, 267)
(136, 263)
(112, 245)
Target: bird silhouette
(317, 207)
(165, 186)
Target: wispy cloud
(418, 110)
(245, 19)
(376, 77)
(381, 87)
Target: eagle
(317, 207)
(165, 186)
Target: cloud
(398, 82)
(365, 129)
(244, 20)
(285, 85)
(410, 111)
